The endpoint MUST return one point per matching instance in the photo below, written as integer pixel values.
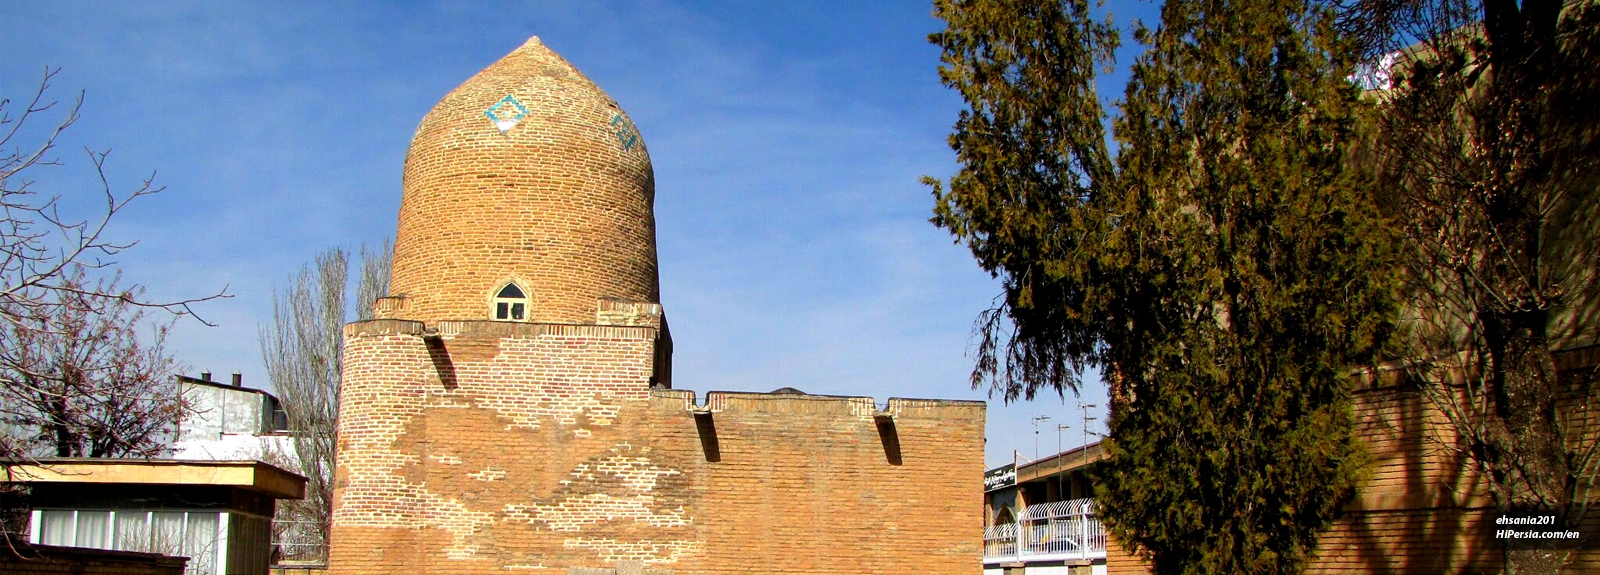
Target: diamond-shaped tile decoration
(627, 135)
(506, 113)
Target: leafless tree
(46, 254)
(301, 346)
(38, 243)
(82, 382)
(1489, 140)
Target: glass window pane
(511, 290)
(55, 527)
(166, 532)
(132, 531)
(92, 527)
(200, 542)
(500, 311)
(516, 311)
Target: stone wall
(494, 447)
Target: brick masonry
(562, 202)
(556, 445)
(542, 448)
(1420, 510)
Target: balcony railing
(1061, 530)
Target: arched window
(511, 304)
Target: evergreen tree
(1225, 270)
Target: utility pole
(1084, 409)
(1059, 428)
(1037, 419)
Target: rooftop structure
(216, 513)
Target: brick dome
(525, 173)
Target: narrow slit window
(511, 304)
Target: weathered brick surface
(1120, 561)
(561, 202)
(525, 447)
(810, 484)
(472, 446)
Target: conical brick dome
(527, 173)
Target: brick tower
(528, 175)
(510, 410)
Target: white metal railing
(1000, 540)
(1051, 531)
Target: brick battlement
(477, 446)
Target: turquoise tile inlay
(627, 135)
(506, 113)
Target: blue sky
(787, 139)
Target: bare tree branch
(38, 244)
(302, 346)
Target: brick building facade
(511, 410)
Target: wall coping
(760, 402)
(255, 476)
(480, 327)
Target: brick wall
(492, 446)
(1421, 510)
(813, 484)
(562, 202)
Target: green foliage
(1226, 271)
(1030, 147)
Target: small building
(216, 513)
(1039, 517)
(230, 422)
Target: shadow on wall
(1408, 517)
(440, 356)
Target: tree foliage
(76, 376)
(1225, 270)
(302, 346)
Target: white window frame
(220, 541)
(511, 303)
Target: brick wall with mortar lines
(537, 448)
(806, 484)
(465, 452)
(561, 202)
(1419, 510)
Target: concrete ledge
(487, 328)
(383, 327)
(249, 475)
(788, 403)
